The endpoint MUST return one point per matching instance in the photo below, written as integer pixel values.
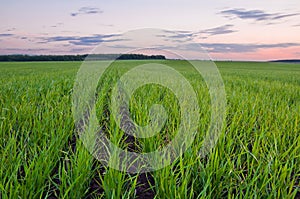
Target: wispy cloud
(221, 30)
(38, 51)
(232, 47)
(82, 40)
(256, 15)
(22, 50)
(6, 35)
(297, 53)
(57, 25)
(86, 11)
(120, 46)
(243, 48)
(184, 36)
(178, 34)
(10, 29)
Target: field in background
(257, 155)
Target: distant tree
(17, 58)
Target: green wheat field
(256, 156)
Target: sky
(226, 30)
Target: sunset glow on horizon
(231, 30)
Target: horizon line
(119, 54)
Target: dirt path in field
(145, 181)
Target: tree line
(288, 61)
(24, 58)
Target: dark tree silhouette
(17, 58)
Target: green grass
(257, 155)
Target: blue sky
(230, 30)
